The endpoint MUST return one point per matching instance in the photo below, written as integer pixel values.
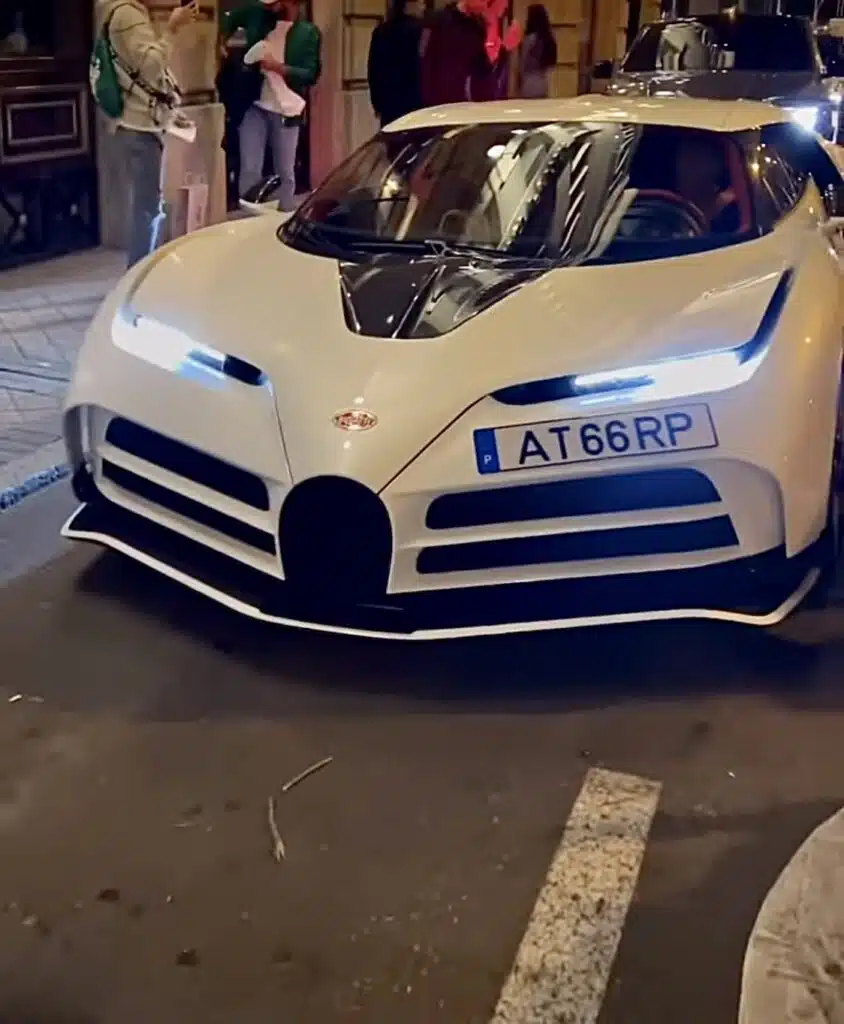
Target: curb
(33, 473)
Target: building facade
(61, 184)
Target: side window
(779, 181)
(805, 154)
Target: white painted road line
(563, 964)
(794, 963)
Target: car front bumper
(759, 590)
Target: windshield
(723, 43)
(567, 192)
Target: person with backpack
(133, 85)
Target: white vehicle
(513, 366)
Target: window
(27, 28)
(787, 158)
(572, 192)
(724, 42)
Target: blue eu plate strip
(486, 451)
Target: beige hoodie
(146, 53)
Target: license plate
(591, 439)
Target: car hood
(721, 85)
(241, 291)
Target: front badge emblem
(355, 419)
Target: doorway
(48, 174)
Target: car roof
(729, 16)
(675, 112)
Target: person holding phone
(287, 48)
(150, 95)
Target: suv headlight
(813, 117)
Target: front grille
(336, 541)
(659, 539)
(587, 496)
(188, 508)
(190, 463)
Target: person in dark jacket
(464, 51)
(393, 67)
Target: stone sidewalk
(44, 311)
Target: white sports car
(512, 366)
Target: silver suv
(733, 56)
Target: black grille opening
(336, 541)
(183, 460)
(586, 496)
(246, 373)
(187, 507)
(663, 539)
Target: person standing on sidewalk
(150, 94)
(288, 48)
(393, 64)
(538, 54)
(462, 52)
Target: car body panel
(237, 290)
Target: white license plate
(590, 439)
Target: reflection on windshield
(723, 43)
(570, 192)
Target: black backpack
(239, 86)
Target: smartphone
(190, 3)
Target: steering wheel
(653, 201)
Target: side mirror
(263, 197)
(603, 70)
(833, 227)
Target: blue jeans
(143, 156)
(257, 126)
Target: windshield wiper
(343, 244)
(321, 238)
(439, 248)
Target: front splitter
(110, 526)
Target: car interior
(688, 184)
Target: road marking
(563, 964)
(794, 962)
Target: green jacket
(303, 46)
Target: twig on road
(303, 775)
(279, 852)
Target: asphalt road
(136, 876)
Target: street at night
(151, 728)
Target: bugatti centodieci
(512, 366)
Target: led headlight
(807, 117)
(162, 345)
(693, 375)
(814, 117)
(671, 378)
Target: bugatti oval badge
(355, 419)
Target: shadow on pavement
(734, 854)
